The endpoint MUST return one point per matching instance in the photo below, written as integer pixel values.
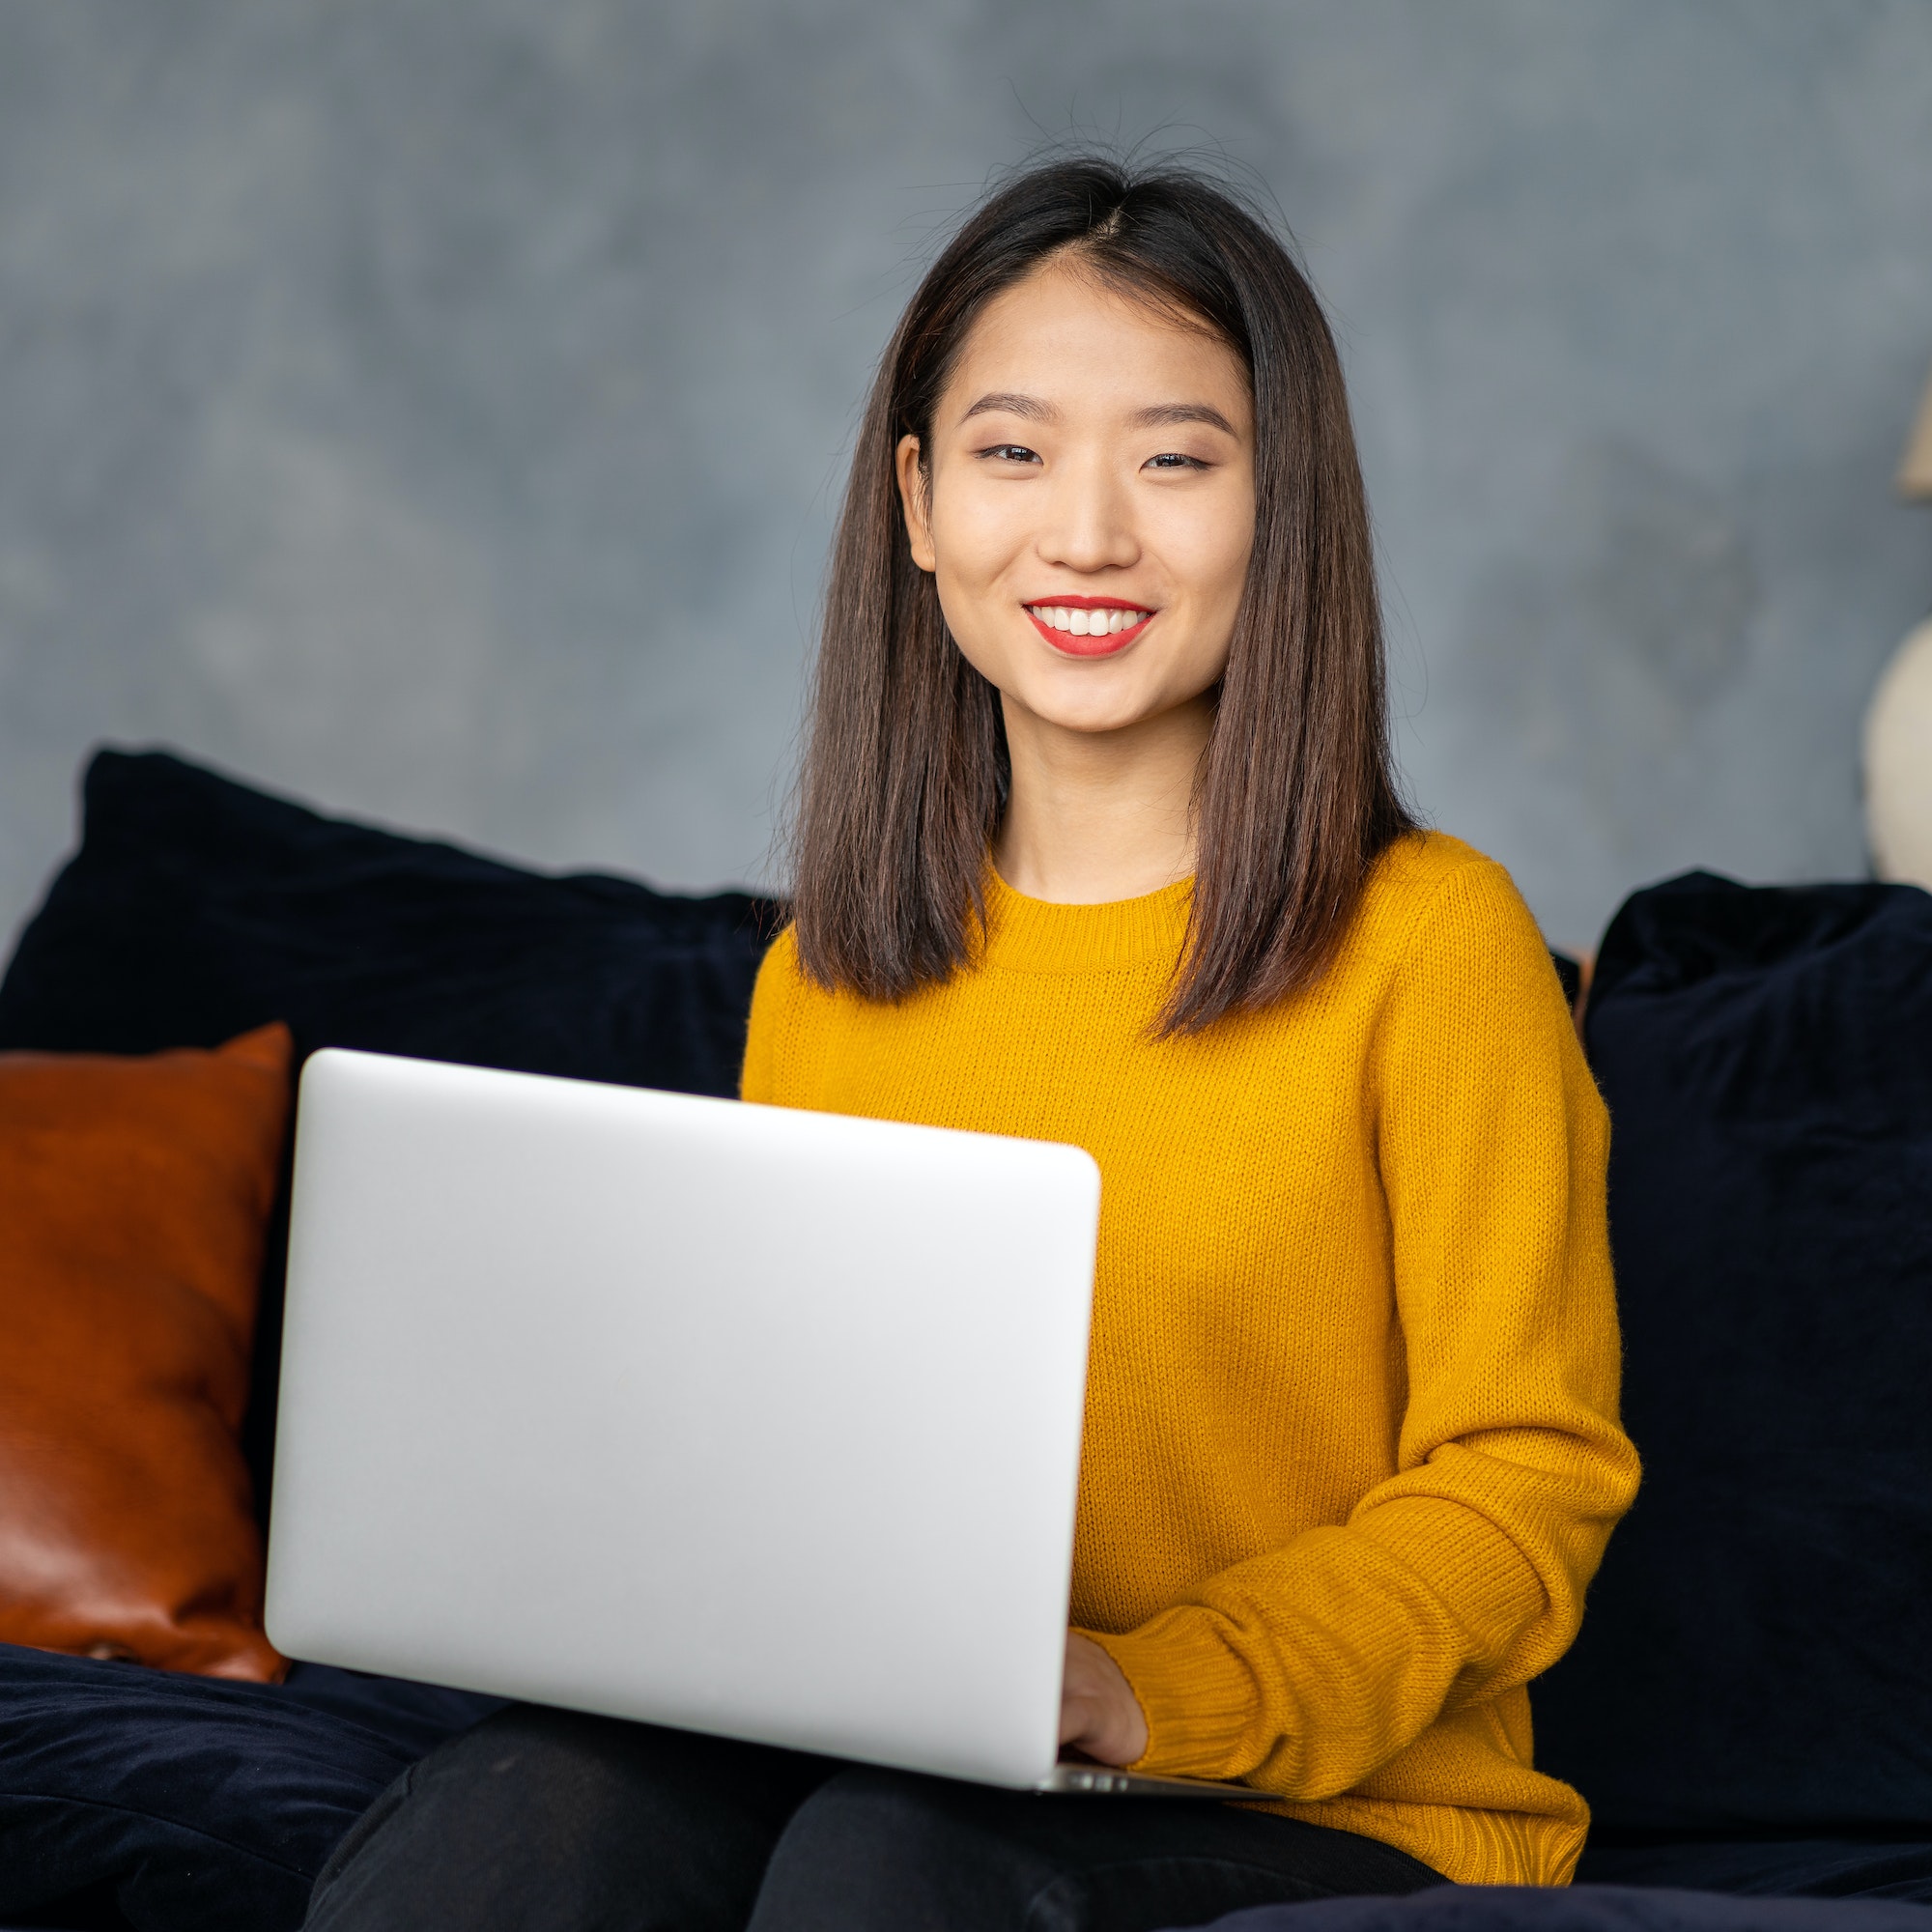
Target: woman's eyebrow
(1157, 415)
(1005, 402)
(1166, 415)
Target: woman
(1098, 842)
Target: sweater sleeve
(1308, 1667)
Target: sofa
(1749, 1707)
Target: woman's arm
(1309, 1666)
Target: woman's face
(1088, 503)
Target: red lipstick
(1106, 643)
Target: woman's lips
(1055, 618)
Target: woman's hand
(1099, 1715)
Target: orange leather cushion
(133, 1196)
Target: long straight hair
(906, 769)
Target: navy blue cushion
(1583, 1908)
(198, 907)
(177, 1804)
(1754, 1660)
(1771, 1866)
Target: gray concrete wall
(435, 407)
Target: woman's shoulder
(1441, 920)
(780, 964)
(1426, 880)
(784, 984)
(1421, 860)
(789, 996)
(785, 980)
(780, 1017)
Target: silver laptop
(742, 1419)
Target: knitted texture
(1352, 1448)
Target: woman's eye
(1011, 453)
(1172, 459)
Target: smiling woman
(1103, 391)
(1099, 842)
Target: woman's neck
(1096, 816)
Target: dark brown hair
(906, 768)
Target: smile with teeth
(1084, 623)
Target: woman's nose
(1088, 525)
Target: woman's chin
(1093, 707)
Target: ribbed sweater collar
(1041, 936)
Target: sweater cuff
(1198, 1698)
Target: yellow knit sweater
(1352, 1448)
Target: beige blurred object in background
(1898, 726)
(1898, 764)
(1914, 470)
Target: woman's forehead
(1064, 340)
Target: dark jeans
(544, 1821)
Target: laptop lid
(743, 1419)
